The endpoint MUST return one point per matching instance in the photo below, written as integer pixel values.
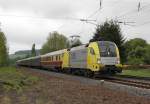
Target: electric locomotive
(95, 57)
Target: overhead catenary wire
(97, 11)
(134, 10)
(94, 13)
(142, 24)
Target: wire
(145, 23)
(134, 11)
(94, 13)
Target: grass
(13, 79)
(137, 72)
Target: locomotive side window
(92, 51)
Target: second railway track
(129, 82)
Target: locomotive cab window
(107, 49)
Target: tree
(147, 55)
(111, 31)
(137, 51)
(3, 50)
(33, 51)
(132, 44)
(76, 42)
(55, 41)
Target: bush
(13, 79)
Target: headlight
(118, 61)
(98, 61)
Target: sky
(25, 22)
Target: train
(94, 58)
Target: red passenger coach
(52, 60)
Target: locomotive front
(109, 57)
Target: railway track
(129, 82)
(126, 80)
(134, 77)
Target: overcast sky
(25, 22)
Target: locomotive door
(91, 58)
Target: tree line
(3, 50)
(56, 41)
(133, 51)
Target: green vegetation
(137, 51)
(111, 31)
(137, 72)
(55, 41)
(13, 58)
(3, 50)
(13, 79)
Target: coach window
(56, 58)
(59, 57)
(52, 58)
(92, 51)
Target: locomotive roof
(29, 58)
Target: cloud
(46, 8)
